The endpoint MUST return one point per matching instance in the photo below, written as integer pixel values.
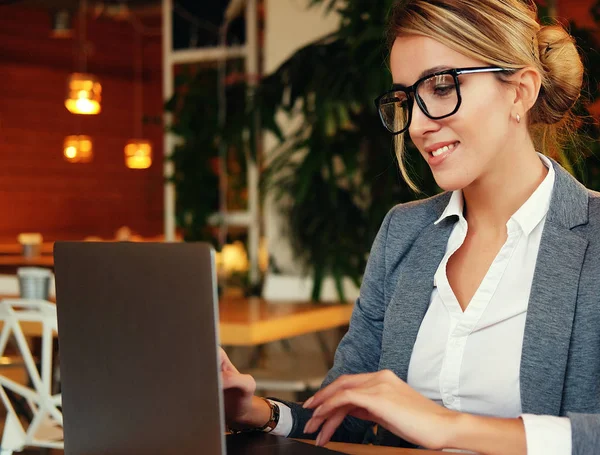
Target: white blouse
(469, 361)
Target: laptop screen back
(138, 330)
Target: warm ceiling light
(138, 154)
(78, 149)
(83, 94)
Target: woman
(478, 323)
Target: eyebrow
(427, 72)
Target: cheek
(482, 117)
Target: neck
(496, 196)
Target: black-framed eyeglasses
(437, 95)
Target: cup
(31, 243)
(34, 282)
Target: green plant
(336, 175)
(195, 108)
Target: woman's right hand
(242, 408)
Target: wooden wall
(39, 190)
(577, 10)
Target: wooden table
(254, 321)
(362, 449)
(17, 260)
(17, 249)
(11, 257)
(10, 263)
(353, 449)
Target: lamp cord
(138, 105)
(82, 36)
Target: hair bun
(564, 70)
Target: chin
(450, 182)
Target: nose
(420, 124)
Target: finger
(243, 382)
(316, 421)
(226, 364)
(324, 413)
(342, 383)
(313, 424)
(352, 400)
(361, 414)
(330, 425)
(345, 399)
(373, 383)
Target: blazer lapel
(553, 298)
(412, 295)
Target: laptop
(138, 337)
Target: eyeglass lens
(438, 96)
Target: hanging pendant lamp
(78, 149)
(138, 151)
(83, 89)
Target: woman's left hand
(385, 399)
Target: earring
(518, 118)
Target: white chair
(9, 284)
(45, 428)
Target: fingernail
(306, 427)
(317, 411)
(308, 402)
(318, 440)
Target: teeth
(444, 149)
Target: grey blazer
(560, 364)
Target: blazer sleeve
(360, 348)
(585, 430)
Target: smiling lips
(441, 149)
(438, 152)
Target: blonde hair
(503, 33)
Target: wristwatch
(267, 427)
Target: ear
(527, 83)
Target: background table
(17, 248)
(9, 263)
(254, 321)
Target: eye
(439, 86)
(443, 89)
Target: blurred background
(249, 124)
